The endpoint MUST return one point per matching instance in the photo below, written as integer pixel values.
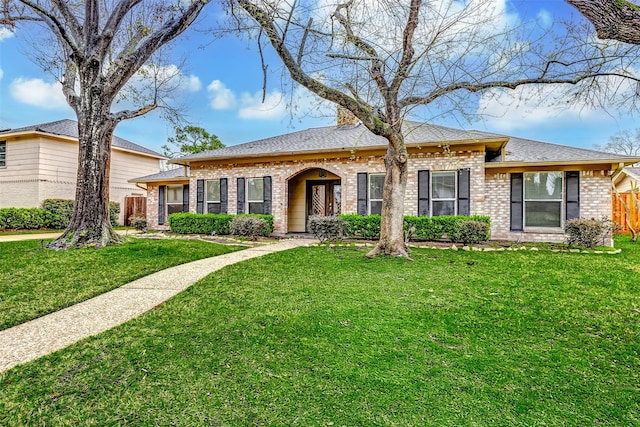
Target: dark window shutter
(573, 194)
(200, 196)
(266, 198)
(423, 193)
(464, 192)
(517, 205)
(241, 189)
(161, 198)
(185, 198)
(223, 195)
(363, 199)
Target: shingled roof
(357, 137)
(69, 128)
(177, 174)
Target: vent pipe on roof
(346, 117)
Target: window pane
(3, 153)
(444, 185)
(337, 199)
(213, 208)
(543, 186)
(444, 208)
(174, 208)
(256, 208)
(542, 214)
(255, 189)
(213, 191)
(376, 207)
(376, 184)
(174, 194)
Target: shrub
(188, 223)
(249, 226)
(361, 227)
(138, 222)
(114, 213)
(473, 231)
(586, 233)
(62, 209)
(326, 228)
(25, 218)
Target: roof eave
(615, 163)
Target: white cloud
(222, 98)
(193, 83)
(252, 106)
(544, 18)
(38, 93)
(5, 33)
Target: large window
(543, 199)
(174, 199)
(443, 193)
(376, 184)
(213, 196)
(255, 195)
(3, 153)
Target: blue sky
(223, 93)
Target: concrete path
(38, 236)
(54, 331)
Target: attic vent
(492, 156)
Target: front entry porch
(312, 192)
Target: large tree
(384, 59)
(190, 139)
(99, 46)
(613, 19)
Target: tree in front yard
(385, 60)
(98, 47)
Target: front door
(324, 198)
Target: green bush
(473, 231)
(25, 219)
(587, 233)
(361, 227)
(415, 227)
(138, 222)
(213, 224)
(249, 226)
(326, 228)
(63, 210)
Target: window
(3, 153)
(213, 196)
(376, 184)
(174, 199)
(543, 199)
(255, 195)
(443, 193)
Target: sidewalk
(54, 331)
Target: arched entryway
(312, 192)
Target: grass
(325, 337)
(37, 281)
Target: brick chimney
(346, 117)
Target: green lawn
(325, 337)
(34, 282)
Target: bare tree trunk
(392, 240)
(90, 224)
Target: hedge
(219, 224)
(54, 214)
(416, 227)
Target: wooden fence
(134, 206)
(620, 214)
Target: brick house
(41, 161)
(528, 188)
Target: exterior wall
(19, 180)
(289, 176)
(595, 202)
(42, 168)
(297, 206)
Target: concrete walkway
(54, 331)
(39, 236)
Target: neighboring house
(624, 206)
(40, 162)
(528, 188)
(629, 176)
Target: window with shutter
(376, 186)
(213, 196)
